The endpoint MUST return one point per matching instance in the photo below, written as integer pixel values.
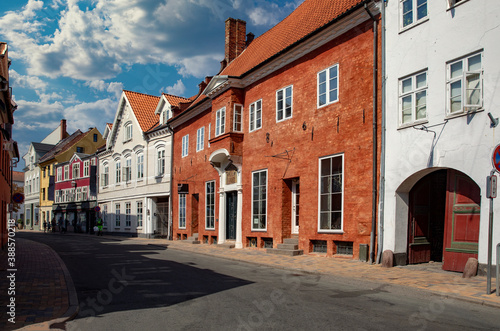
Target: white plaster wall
(464, 143)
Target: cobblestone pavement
(45, 294)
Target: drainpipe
(170, 227)
(374, 175)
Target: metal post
(490, 243)
(498, 270)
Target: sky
(71, 59)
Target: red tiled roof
(307, 18)
(175, 101)
(144, 106)
(110, 125)
(18, 176)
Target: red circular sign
(18, 197)
(97, 208)
(495, 158)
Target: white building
(32, 176)
(442, 74)
(134, 167)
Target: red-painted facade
(290, 152)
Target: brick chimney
(235, 38)
(63, 129)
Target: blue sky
(71, 59)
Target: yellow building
(78, 142)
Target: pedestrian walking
(99, 227)
(54, 225)
(44, 226)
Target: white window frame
(210, 217)
(281, 103)
(139, 213)
(414, 13)
(59, 174)
(237, 117)
(320, 194)
(86, 168)
(182, 211)
(255, 116)
(259, 214)
(185, 145)
(117, 215)
(412, 95)
(328, 87)
(118, 171)
(220, 121)
(140, 165)
(127, 170)
(200, 139)
(160, 161)
(128, 214)
(66, 172)
(128, 131)
(462, 78)
(75, 169)
(105, 175)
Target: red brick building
(279, 144)
(8, 147)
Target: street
(124, 284)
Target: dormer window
(128, 132)
(165, 115)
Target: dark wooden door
(194, 212)
(461, 222)
(231, 212)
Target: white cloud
(177, 89)
(26, 81)
(200, 66)
(89, 114)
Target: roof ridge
(149, 95)
(173, 95)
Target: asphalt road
(125, 285)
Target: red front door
(461, 221)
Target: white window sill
(412, 124)
(456, 5)
(331, 231)
(463, 113)
(411, 26)
(211, 229)
(259, 230)
(327, 104)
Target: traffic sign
(495, 158)
(97, 208)
(18, 197)
(491, 187)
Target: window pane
(325, 202)
(324, 222)
(322, 77)
(421, 80)
(406, 111)
(263, 192)
(336, 165)
(255, 179)
(421, 105)
(475, 63)
(333, 95)
(263, 178)
(262, 224)
(456, 96)
(322, 99)
(336, 220)
(421, 9)
(456, 69)
(336, 202)
(325, 184)
(336, 184)
(406, 85)
(473, 89)
(326, 167)
(407, 19)
(333, 72)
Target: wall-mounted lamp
(494, 121)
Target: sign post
(492, 193)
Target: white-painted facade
(443, 134)
(135, 201)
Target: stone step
(288, 246)
(226, 245)
(292, 241)
(288, 252)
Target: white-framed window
(118, 171)
(331, 189)
(210, 205)
(78, 194)
(413, 98)
(66, 172)
(412, 12)
(59, 175)
(85, 193)
(127, 170)
(255, 115)
(182, 211)
(238, 118)
(128, 131)
(117, 214)
(76, 170)
(200, 139)
(185, 145)
(464, 87)
(284, 99)
(128, 214)
(140, 166)
(105, 175)
(160, 161)
(165, 115)
(105, 215)
(259, 200)
(328, 86)
(220, 121)
(86, 168)
(139, 213)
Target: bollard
(498, 270)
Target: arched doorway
(443, 222)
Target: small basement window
(252, 241)
(318, 246)
(214, 240)
(343, 247)
(205, 239)
(267, 242)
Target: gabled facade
(9, 153)
(79, 142)
(134, 167)
(32, 175)
(280, 144)
(75, 193)
(442, 69)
